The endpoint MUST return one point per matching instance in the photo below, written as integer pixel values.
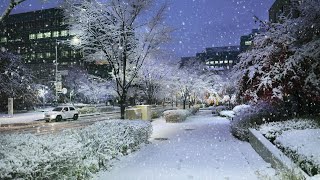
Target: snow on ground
(201, 148)
(21, 117)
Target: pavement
(200, 148)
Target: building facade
(222, 58)
(40, 37)
(216, 58)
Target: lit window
(230, 62)
(55, 34)
(33, 56)
(221, 62)
(216, 62)
(64, 33)
(211, 62)
(248, 43)
(47, 34)
(39, 35)
(65, 53)
(39, 55)
(226, 61)
(48, 54)
(3, 39)
(207, 62)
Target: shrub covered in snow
(228, 114)
(193, 110)
(71, 154)
(238, 108)
(87, 110)
(255, 115)
(303, 147)
(176, 115)
(271, 130)
(218, 109)
(297, 138)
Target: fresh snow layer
(201, 147)
(304, 142)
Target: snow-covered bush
(302, 147)
(271, 130)
(257, 114)
(218, 109)
(71, 154)
(176, 115)
(193, 110)
(228, 114)
(238, 108)
(87, 110)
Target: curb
(273, 155)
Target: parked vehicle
(61, 112)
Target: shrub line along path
(201, 148)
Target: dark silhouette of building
(215, 58)
(35, 36)
(41, 37)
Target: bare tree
(122, 32)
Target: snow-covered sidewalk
(200, 148)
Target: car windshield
(57, 109)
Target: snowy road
(200, 148)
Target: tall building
(222, 58)
(216, 58)
(284, 8)
(40, 37)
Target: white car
(61, 112)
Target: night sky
(199, 23)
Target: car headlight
(52, 116)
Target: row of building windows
(62, 33)
(55, 34)
(220, 62)
(47, 55)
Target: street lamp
(58, 85)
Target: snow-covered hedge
(237, 109)
(87, 110)
(193, 110)
(252, 116)
(176, 115)
(303, 147)
(297, 138)
(71, 154)
(272, 130)
(228, 114)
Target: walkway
(200, 148)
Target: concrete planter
(133, 113)
(273, 155)
(145, 112)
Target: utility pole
(56, 78)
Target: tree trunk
(184, 104)
(122, 110)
